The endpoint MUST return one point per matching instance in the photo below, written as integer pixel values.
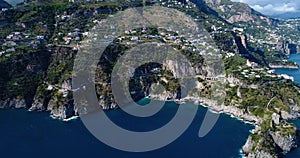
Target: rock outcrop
(260, 154)
(286, 143)
(18, 102)
(247, 148)
(62, 112)
(37, 105)
(287, 48)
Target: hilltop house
(4, 9)
(40, 37)
(16, 36)
(10, 44)
(251, 64)
(285, 76)
(10, 50)
(34, 43)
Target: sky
(274, 7)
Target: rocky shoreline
(285, 143)
(13, 103)
(229, 110)
(284, 66)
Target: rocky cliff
(13, 103)
(48, 88)
(287, 48)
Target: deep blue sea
(35, 134)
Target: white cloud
(273, 7)
(270, 9)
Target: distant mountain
(288, 15)
(235, 12)
(4, 4)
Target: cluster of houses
(251, 64)
(15, 36)
(252, 70)
(10, 43)
(75, 36)
(63, 90)
(229, 55)
(176, 3)
(4, 9)
(15, 39)
(250, 74)
(271, 36)
(285, 31)
(217, 30)
(169, 36)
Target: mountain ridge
(235, 12)
(290, 15)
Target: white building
(285, 76)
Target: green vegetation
(261, 102)
(16, 80)
(233, 64)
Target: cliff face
(54, 93)
(285, 143)
(48, 88)
(17, 83)
(287, 48)
(248, 149)
(18, 102)
(281, 138)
